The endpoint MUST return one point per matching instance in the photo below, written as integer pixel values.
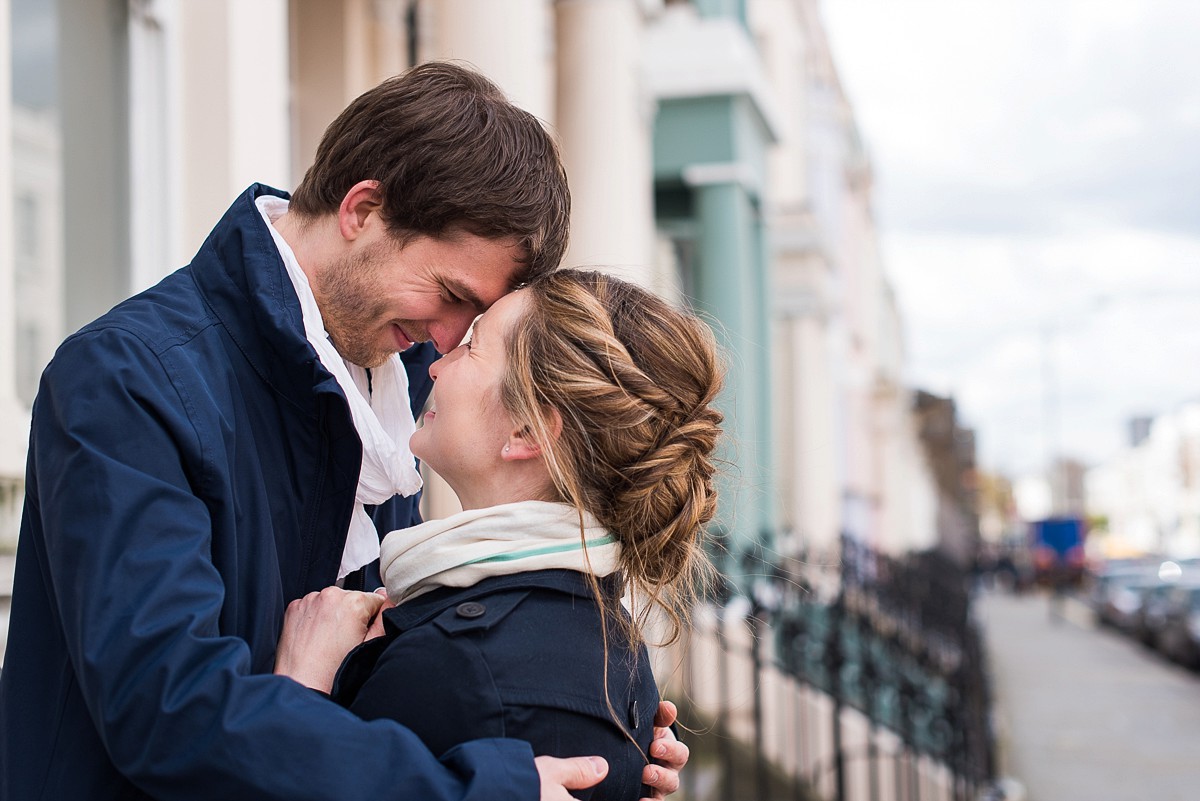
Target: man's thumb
(374, 601)
(574, 773)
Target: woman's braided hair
(633, 380)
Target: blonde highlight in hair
(631, 381)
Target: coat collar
(425, 607)
(242, 279)
(241, 276)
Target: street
(1085, 714)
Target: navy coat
(513, 656)
(192, 469)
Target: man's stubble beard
(349, 294)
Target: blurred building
(950, 449)
(1148, 495)
(712, 154)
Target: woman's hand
(669, 754)
(320, 629)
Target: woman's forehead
(502, 313)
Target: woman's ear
(522, 445)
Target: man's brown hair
(450, 153)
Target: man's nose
(450, 334)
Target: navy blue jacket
(192, 469)
(513, 656)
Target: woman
(577, 429)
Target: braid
(632, 381)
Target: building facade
(712, 154)
(1146, 499)
(711, 151)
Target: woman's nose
(437, 365)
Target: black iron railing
(887, 644)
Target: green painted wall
(722, 8)
(717, 129)
(729, 280)
(694, 130)
(725, 289)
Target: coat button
(633, 715)
(470, 610)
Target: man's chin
(378, 360)
(360, 353)
(368, 360)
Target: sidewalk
(1085, 714)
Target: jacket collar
(425, 607)
(242, 278)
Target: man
(200, 457)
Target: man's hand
(670, 754)
(376, 628)
(319, 630)
(560, 775)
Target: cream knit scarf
(382, 417)
(473, 545)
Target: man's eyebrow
(466, 293)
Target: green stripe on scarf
(570, 546)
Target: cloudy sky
(1038, 192)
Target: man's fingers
(666, 714)
(663, 782)
(576, 773)
(372, 601)
(376, 628)
(669, 755)
(669, 752)
(351, 604)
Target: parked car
(1118, 601)
(1108, 578)
(1151, 615)
(1178, 637)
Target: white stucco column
(235, 122)
(7, 288)
(808, 445)
(604, 119)
(510, 42)
(259, 127)
(154, 165)
(389, 38)
(14, 420)
(780, 32)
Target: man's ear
(358, 205)
(521, 444)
